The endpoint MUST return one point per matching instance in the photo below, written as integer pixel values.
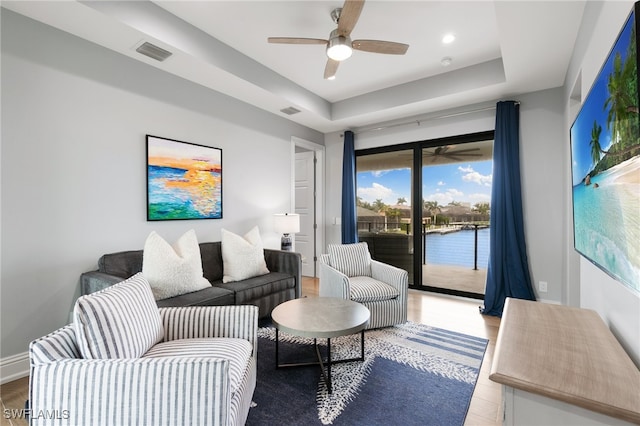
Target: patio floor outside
(451, 277)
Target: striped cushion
(121, 321)
(367, 289)
(189, 322)
(351, 259)
(237, 351)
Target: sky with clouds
(460, 182)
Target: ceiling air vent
(153, 51)
(290, 110)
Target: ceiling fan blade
(349, 16)
(296, 40)
(460, 151)
(379, 46)
(331, 68)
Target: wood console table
(562, 365)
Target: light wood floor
(13, 395)
(451, 313)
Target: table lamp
(286, 224)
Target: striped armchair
(348, 272)
(200, 367)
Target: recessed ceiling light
(333, 77)
(446, 61)
(448, 38)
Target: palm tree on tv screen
(619, 101)
(622, 118)
(596, 149)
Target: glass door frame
(416, 197)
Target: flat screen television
(605, 163)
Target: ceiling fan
(443, 151)
(339, 44)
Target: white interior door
(305, 206)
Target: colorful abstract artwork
(184, 180)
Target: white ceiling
(502, 49)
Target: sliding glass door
(456, 194)
(425, 207)
(383, 206)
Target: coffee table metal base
(329, 362)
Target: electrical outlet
(542, 286)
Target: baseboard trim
(14, 367)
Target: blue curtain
(349, 219)
(508, 270)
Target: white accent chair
(348, 272)
(125, 361)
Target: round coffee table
(321, 317)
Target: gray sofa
(282, 283)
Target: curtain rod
(420, 121)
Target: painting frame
(605, 162)
(184, 180)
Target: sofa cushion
(255, 288)
(237, 351)
(210, 296)
(212, 266)
(123, 264)
(243, 257)
(121, 321)
(173, 270)
(351, 259)
(367, 289)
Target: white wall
(542, 166)
(74, 119)
(618, 306)
(542, 173)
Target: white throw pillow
(242, 257)
(172, 271)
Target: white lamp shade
(286, 223)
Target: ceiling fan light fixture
(339, 47)
(339, 52)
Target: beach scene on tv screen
(605, 150)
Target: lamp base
(286, 243)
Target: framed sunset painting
(184, 180)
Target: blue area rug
(413, 374)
